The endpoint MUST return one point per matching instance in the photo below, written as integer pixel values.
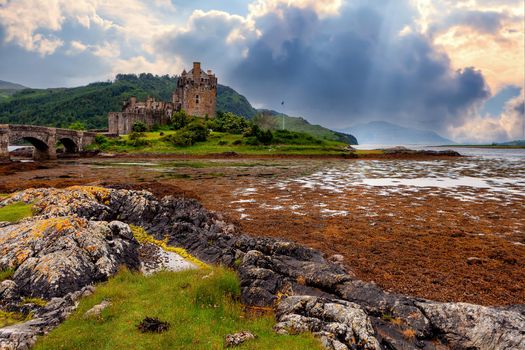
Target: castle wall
(196, 93)
(121, 123)
(200, 101)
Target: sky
(454, 67)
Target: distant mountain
(90, 104)
(7, 89)
(302, 125)
(6, 85)
(512, 143)
(379, 132)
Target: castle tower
(196, 92)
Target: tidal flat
(443, 229)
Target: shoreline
(375, 240)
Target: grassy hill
(60, 107)
(7, 89)
(302, 125)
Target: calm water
(487, 174)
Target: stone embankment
(80, 235)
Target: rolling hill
(379, 132)
(60, 107)
(7, 89)
(302, 125)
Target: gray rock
(96, 310)
(238, 338)
(268, 269)
(468, 326)
(55, 256)
(340, 324)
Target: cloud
(76, 47)
(505, 127)
(487, 34)
(24, 19)
(322, 8)
(140, 64)
(214, 37)
(341, 70)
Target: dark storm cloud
(341, 70)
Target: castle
(196, 94)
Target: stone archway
(41, 149)
(70, 146)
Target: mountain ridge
(381, 132)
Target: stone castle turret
(196, 92)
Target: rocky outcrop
(340, 324)
(55, 256)
(309, 292)
(23, 336)
(476, 327)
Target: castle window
(197, 99)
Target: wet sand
(450, 243)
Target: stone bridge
(44, 140)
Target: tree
(139, 127)
(78, 125)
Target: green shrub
(222, 143)
(199, 131)
(101, 139)
(181, 139)
(237, 142)
(252, 141)
(78, 125)
(229, 122)
(135, 135)
(180, 119)
(137, 139)
(265, 137)
(139, 127)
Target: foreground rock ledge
(80, 236)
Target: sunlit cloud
(432, 64)
(509, 125)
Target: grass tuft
(36, 301)
(15, 212)
(11, 318)
(6, 274)
(200, 305)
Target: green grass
(201, 311)
(15, 212)
(214, 146)
(36, 301)
(10, 318)
(6, 274)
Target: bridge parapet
(44, 140)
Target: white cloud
(482, 129)
(323, 8)
(106, 50)
(486, 34)
(26, 21)
(139, 64)
(76, 47)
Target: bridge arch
(41, 148)
(70, 145)
(44, 140)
